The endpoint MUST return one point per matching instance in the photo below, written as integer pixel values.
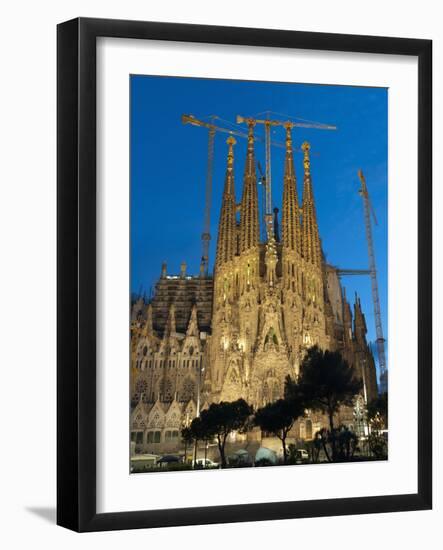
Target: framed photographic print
(244, 254)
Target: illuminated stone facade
(240, 333)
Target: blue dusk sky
(169, 159)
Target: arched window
(154, 437)
(141, 387)
(171, 435)
(166, 390)
(188, 390)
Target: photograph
(228, 221)
(258, 273)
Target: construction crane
(368, 210)
(206, 235)
(212, 129)
(344, 272)
(267, 124)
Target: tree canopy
(326, 382)
(219, 420)
(278, 418)
(187, 439)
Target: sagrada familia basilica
(240, 332)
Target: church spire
(310, 238)
(360, 329)
(347, 320)
(291, 215)
(226, 244)
(192, 329)
(148, 328)
(249, 226)
(170, 325)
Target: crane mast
(345, 272)
(212, 129)
(262, 182)
(268, 195)
(373, 274)
(206, 235)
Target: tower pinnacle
(148, 328)
(170, 325)
(226, 244)
(360, 329)
(249, 226)
(291, 214)
(310, 238)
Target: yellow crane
(212, 129)
(345, 272)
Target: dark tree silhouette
(338, 444)
(220, 420)
(200, 431)
(326, 382)
(321, 440)
(347, 442)
(187, 439)
(294, 393)
(278, 418)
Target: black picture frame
(76, 267)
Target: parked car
(169, 459)
(206, 463)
